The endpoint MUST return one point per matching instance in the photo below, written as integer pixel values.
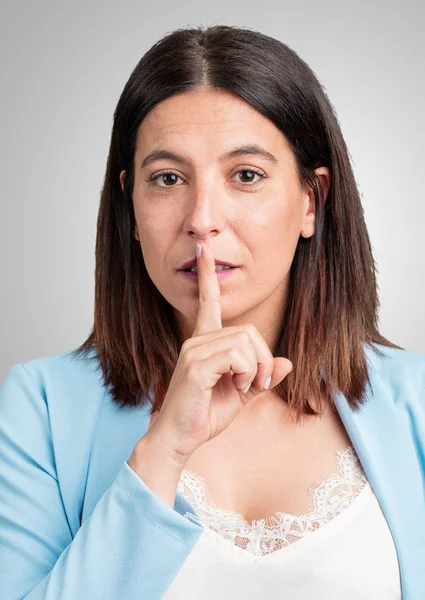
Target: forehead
(206, 119)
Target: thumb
(282, 368)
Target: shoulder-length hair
(332, 301)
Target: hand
(205, 392)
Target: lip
(193, 276)
(193, 262)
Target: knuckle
(186, 345)
(191, 371)
(189, 357)
(250, 328)
(244, 336)
(235, 352)
(206, 298)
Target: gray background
(63, 67)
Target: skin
(256, 227)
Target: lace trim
(327, 498)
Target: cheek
(274, 238)
(155, 235)
(150, 222)
(278, 224)
(149, 239)
(153, 230)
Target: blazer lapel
(381, 435)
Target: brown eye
(165, 174)
(251, 176)
(169, 178)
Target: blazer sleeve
(132, 545)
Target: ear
(309, 222)
(122, 181)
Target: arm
(157, 466)
(132, 545)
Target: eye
(152, 180)
(172, 177)
(252, 172)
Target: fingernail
(246, 388)
(198, 250)
(267, 383)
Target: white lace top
(328, 498)
(341, 547)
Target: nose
(206, 212)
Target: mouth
(222, 273)
(218, 268)
(191, 264)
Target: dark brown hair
(332, 300)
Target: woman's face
(248, 207)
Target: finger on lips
(209, 311)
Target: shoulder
(63, 371)
(49, 408)
(396, 364)
(60, 379)
(400, 375)
(52, 397)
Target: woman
(242, 432)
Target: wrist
(154, 448)
(157, 467)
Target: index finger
(209, 309)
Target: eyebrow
(253, 149)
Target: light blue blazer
(77, 523)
